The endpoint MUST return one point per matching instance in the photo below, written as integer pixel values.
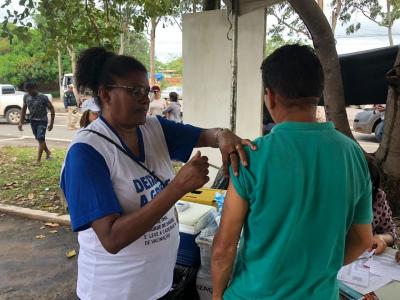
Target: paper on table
(385, 265)
(355, 273)
(375, 282)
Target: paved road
(60, 136)
(33, 268)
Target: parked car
(367, 121)
(177, 89)
(11, 102)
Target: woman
(383, 227)
(173, 110)
(157, 104)
(90, 112)
(120, 185)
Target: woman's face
(127, 107)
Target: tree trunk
(390, 22)
(321, 4)
(72, 55)
(324, 44)
(388, 153)
(335, 14)
(390, 34)
(122, 43)
(122, 36)
(60, 72)
(153, 22)
(194, 6)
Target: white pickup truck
(11, 102)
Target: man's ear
(270, 98)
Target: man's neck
(308, 115)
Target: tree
(29, 59)
(372, 10)
(154, 12)
(388, 153)
(288, 24)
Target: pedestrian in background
(71, 108)
(38, 105)
(90, 112)
(173, 110)
(157, 104)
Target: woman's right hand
(193, 175)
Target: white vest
(144, 269)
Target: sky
(370, 36)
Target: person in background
(303, 202)
(383, 227)
(90, 112)
(121, 197)
(380, 108)
(157, 104)
(38, 105)
(173, 110)
(71, 107)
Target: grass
(27, 185)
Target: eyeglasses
(136, 91)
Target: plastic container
(204, 285)
(191, 221)
(205, 245)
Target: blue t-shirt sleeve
(180, 138)
(87, 187)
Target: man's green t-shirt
(305, 185)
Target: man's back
(305, 185)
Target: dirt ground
(32, 268)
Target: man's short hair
(30, 85)
(294, 72)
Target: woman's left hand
(379, 243)
(231, 147)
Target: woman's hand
(193, 175)
(231, 147)
(379, 244)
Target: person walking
(38, 105)
(71, 107)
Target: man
(38, 105)
(173, 111)
(304, 201)
(71, 108)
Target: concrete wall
(207, 73)
(251, 41)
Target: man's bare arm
(226, 240)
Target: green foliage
(175, 64)
(371, 9)
(138, 47)
(289, 24)
(21, 60)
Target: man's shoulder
(42, 96)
